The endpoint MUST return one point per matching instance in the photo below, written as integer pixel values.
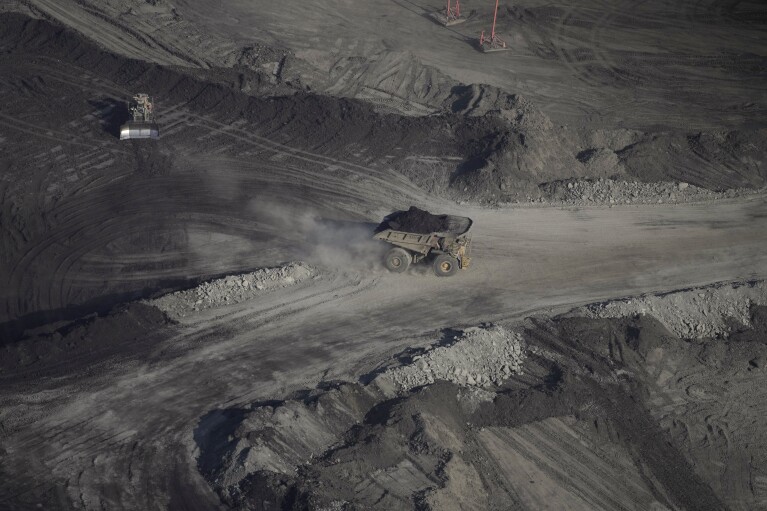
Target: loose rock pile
(481, 357)
(697, 313)
(231, 289)
(422, 222)
(609, 191)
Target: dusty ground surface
(204, 322)
(686, 65)
(601, 414)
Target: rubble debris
(481, 357)
(613, 191)
(711, 311)
(231, 289)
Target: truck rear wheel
(397, 260)
(445, 265)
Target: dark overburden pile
(422, 222)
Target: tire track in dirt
(664, 70)
(35, 131)
(79, 232)
(557, 459)
(109, 32)
(245, 348)
(694, 399)
(560, 36)
(281, 148)
(394, 181)
(91, 443)
(194, 331)
(590, 65)
(402, 182)
(104, 444)
(73, 221)
(209, 122)
(576, 62)
(70, 219)
(206, 122)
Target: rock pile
(711, 311)
(481, 357)
(231, 289)
(422, 222)
(609, 191)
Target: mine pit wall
(345, 123)
(603, 413)
(586, 376)
(506, 147)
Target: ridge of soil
(596, 379)
(506, 146)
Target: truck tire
(445, 265)
(397, 260)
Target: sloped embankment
(592, 413)
(483, 143)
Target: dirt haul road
(124, 436)
(121, 221)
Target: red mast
(450, 15)
(453, 14)
(495, 17)
(493, 42)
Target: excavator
(142, 124)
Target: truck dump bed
(139, 130)
(421, 243)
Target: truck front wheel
(445, 265)
(397, 260)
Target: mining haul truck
(418, 235)
(141, 125)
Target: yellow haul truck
(418, 235)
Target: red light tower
(492, 43)
(451, 15)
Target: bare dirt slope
(149, 420)
(608, 63)
(666, 103)
(594, 426)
